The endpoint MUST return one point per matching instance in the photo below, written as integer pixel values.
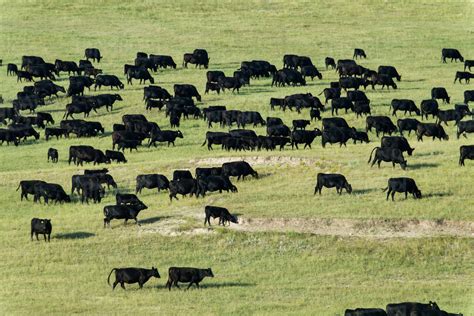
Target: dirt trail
(260, 160)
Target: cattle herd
(134, 129)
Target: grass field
(256, 272)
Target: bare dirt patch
(260, 160)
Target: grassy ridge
(284, 273)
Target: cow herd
(134, 129)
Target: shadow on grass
(74, 235)
(422, 165)
(437, 194)
(152, 220)
(364, 191)
(203, 286)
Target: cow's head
(152, 80)
(348, 187)
(208, 273)
(403, 164)
(118, 97)
(417, 194)
(155, 272)
(320, 76)
(67, 199)
(410, 151)
(179, 134)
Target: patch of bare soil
(259, 160)
(359, 228)
(173, 227)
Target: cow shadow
(74, 235)
(152, 220)
(437, 194)
(365, 191)
(433, 153)
(202, 286)
(423, 165)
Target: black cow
(214, 183)
(314, 113)
(382, 124)
(233, 83)
(277, 102)
(360, 136)
(141, 74)
(186, 90)
(93, 53)
(331, 93)
(9, 137)
(408, 124)
(359, 53)
(151, 181)
(152, 104)
(79, 154)
(352, 83)
(339, 135)
(403, 185)
(468, 64)
(53, 155)
(58, 132)
(278, 130)
(220, 212)
(125, 212)
(287, 76)
(115, 155)
(250, 117)
(96, 171)
(331, 180)
(404, 105)
(214, 138)
(132, 275)
(163, 61)
(69, 66)
(440, 93)
(28, 187)
(456, 115)
(310, 71)
(185, 275)
(212, 86)
(399, 142)
(31, 60)
(41, 226)
(91, 187)
(329, 61)
(409, 308)
(164, 136)
(430, 130)
(334, 122)
(106, 100)
(22, 131)
(20, 75)
(126, 199)
(389, 71)
(214, 75)
(272, 121)
(465, 127)
(50, 191)
(199, 57)
(108, 81)
(182, 174)
(304, 137)
(383, 80)
(75, 108)
(238, 169)
(388, 154)
(12, 69)
(463, 75)
(155, 92)
(205, 172)
(183, 187)
(466, 152)
(300, 124)
(468, 96)
(452, 53)
(365, 312)
(341, 103)
(429, 106)
(361, 107)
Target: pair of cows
(217, 81)
(401, 309)
(41, 189)
(89, 185)
(338, 181)
(175, 275)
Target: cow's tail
(321, 92)
(19, 185)
(204, 142)
(383, 190)
(108, 279)
(370, 158)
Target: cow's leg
(36, 236)
(406, 195)
(393, 195)
(388, 192)
(44, 235)
(122, 285)
(115, 284)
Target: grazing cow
(314, 114)
(287, 76)
(329, 61)
(331, 93)
(214, 183)
(141, 74)
(106, 100)
(125, 212)
(300, 124)
(404, 105)
(91, 188)
(310, 71)
(96, 171)
(9, 137)
(382, 124)
(48, 88)
(185, 275)
(361, 107)
(238, 169)
(466, 152)
(389, 71)
(341, 103)
(205, 172)
(31, 60)
(151, 181)
(440, 93)
(409, 308)
(456, 115)
(69, 66)
(250, 117)
(278, 130)
(361, 136)
(53, 155)
(331, 180)
(115, 155)
(468, 64)
(383, 80)
(402, 185)
(214, 75)
(463, 75)
(183, 187)
(164, 136)
(108, 81)
(127, 199)
(359, 53)
(357, 95)
(28, 187)
(431, 130)
(215, 138)
(388, 154)
(22, 131)
(199, 57)
(155, 92)
(233, 83)
(302, 100)
(120, 136)
(337, 135)
(465, 127)
(399, 142)
(75, 108)
(352, 83)
(182, 174)
(212, 86)
(365, 312)
(163, 61)
(154, 104)
(408, 124)
(12, 69)
(93, 53)
(132, 275)
(334, 122)
(186, 90)
(468, 96)
(41, 226)
(303, 137)
(20, 75)
(429, 106)
(50, 191)
(272, 121)
(220, 212)
(277, 102)
(79, 154)
(452, 53)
